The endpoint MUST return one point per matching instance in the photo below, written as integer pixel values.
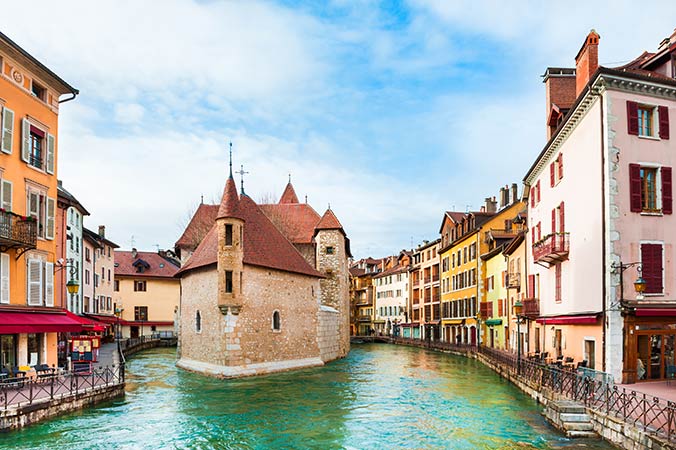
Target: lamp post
(518, 308)
(639, 284)
(478, 328)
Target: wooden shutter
(51, 211)
(562, 219)
(51, 143)
(7, 130)
(25, 140)
(551, 174)
(635, 187)
(34, 277)
(537, 188)
(532, 236)
(49, 284)
(6, 202)
(532, 197)
(663, 112)
(531, 286)
(651, 259)
(632, 118)
(667, 207)
(33, 204)
(560, 163)
(539, 230)
(4, 278)
(554, 220)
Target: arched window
(276, 322)
(198, 322)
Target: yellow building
(146, 294)
(494, 311)
(30, 97)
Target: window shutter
(33, 204)
(663, 112)
(531, 286)
(539, 230)
(532, 236)
(632, 118)
(551, 174)
(532, 197)
(7, 130)
(4, 278)
(6, 203)
(537, 188)
(667, 207)
(51, 143)
(562, 219)
(34, 291)
(635, 187)
(51, 204)
(49, 284)
(651, 259)
(560, 161)
(25, 140)
(554, 220)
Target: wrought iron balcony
(513, 280)
(553, 248)
(17, 231)
(531, 308)
(364, 318)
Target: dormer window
(141, 266)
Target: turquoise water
(381, 396)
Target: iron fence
(23, 391)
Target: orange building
(31, 315)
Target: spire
(230, 159)
(289, 195)
(230, 201)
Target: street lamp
(118, 314)
(518, 308)
(639, 284)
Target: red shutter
(632, 118)
(537, 188)
(562, 219)
(532, 197)
(635, 187)
(663, 112)
(551, 174)
(667, 207)
(554, 220)
(539, 230)
(532, 236)
(560, 160)
(651, 259)
(531, 286)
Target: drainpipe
(603, 233)
(73, 95)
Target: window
(38, 91)
(7, 129)
(140, 313)
(557, 294)
(36, 147)
(116, 286)
(276, 322)
(650, 189)
(556, 170)
(642, 120)
(139, 286)
(42, 209)
(35, 348)
(103, 274)
(40, 276)
(228, 282)
(228, 234)
(109, 276)
(198, 322)
(87, 256)
(652, 269)
(87, 276)
(329, 250)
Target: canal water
(380, 397)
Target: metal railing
(554, 246)
(18, 230)
(22, 391)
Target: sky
(390, 112)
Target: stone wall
(328, 334)
(308, 252)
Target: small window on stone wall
(228, 281)
(276, 322)
(329, 250)
(198, 322)
(228, 234)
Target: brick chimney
(560, 95)
(586, 61)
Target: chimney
(515, 193)
(133, 253)
(490, 205)
(560, 95)
(502, 197)
(102, 231)
(586, 61)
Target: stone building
(266, 289)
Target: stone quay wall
(328, 335)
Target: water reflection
(379, 397)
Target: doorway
(557, 343)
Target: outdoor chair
(44, 371)
(582, 363)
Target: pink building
(600, 211)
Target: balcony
(552, 248)
(17, 231)
(514, 280)
(364, 318)
(531, 308)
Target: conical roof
(230, 202)
(329, 221)
(289, 195)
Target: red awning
(110, 320)
(661, 312)
(147, 323)
(568, 320)
(87, 324)
(38, 322)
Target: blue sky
(390, 111)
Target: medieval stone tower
(331, 257)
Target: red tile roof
(264, 245)
(329, 221)
(289, 195)
(199, 226)
(157, 266)
(230, 202)
(296, 221)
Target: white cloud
(129, 113)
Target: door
(8, 350)
(507, 338)
(557, 343)
(589, 352)
(133, 332)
